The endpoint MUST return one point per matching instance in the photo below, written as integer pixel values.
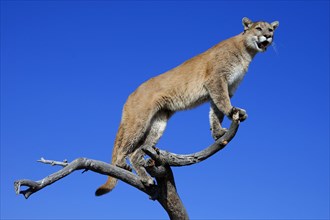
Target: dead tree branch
(171, 159)
(158, 166)
(79, 164)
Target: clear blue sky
(67, 68)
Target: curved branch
(172, 159)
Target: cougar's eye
(259, 28)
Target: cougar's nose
(267, 35)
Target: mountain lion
(211, 76)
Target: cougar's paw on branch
(242, 115)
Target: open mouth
(263, 45)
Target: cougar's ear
(275, 24)
(247, 23)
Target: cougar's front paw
(218, 133)
(242, 115)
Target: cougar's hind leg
(119, 154)
(121, 162)
(137, 160)
(133, 136)
(157, 127)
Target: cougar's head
(259, 35)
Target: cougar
(212, 76)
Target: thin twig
(53, 162)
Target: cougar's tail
(111, 182)
(107, 187)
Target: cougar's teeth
(262, 39)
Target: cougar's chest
(235, 77)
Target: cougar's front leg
(216, 118)
(219, 94)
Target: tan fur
(211, 76)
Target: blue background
(67, 68)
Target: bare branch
(78, 164)
(172, 159)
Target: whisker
(275, 48)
